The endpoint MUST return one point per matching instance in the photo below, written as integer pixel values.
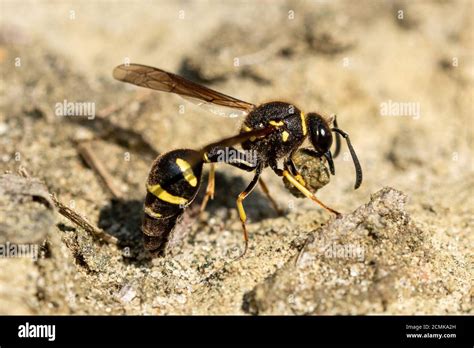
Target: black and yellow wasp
(272, 131)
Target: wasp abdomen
(172, 184)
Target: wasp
(272, 131)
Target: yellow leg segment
(306, 192)
(240, 206)
(267, 193)
(243, 218)
(211, 185)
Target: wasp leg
(219, 154)
(215, 155)
(291, 167)
(270, 198)
(305, 191)
(239, 162)
(211, 185)
(274, 166)
(240, 206)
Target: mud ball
(313, 171)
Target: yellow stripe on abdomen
(187, 171)
(151, 213)
(159, 192)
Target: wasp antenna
(338, 137)
(331, 118)
(357, 166)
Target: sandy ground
(405, 250)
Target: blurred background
(399, 75)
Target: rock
(26, 210)
(26, 217)
(374, 260)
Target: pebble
(3, 128)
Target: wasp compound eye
(320, 133)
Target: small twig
(95, 164)
(308, 240)
(82, 222)
(73, 216)
(23, 172)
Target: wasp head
(321, 137)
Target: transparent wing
(154, 78)
(218, 110)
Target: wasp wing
(154, 78)
(218, 110)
